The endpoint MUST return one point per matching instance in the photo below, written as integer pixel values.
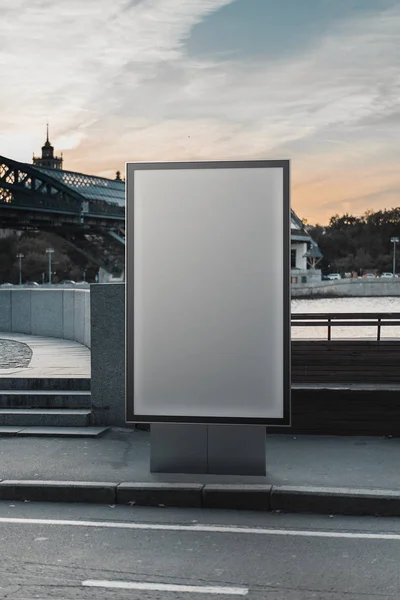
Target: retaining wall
(348, 288)
(58, 313)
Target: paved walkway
(124, 455)
(318, 474)
(51, 357)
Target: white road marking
(167, 587)
(202, 528)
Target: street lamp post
(394, 240)
(49, 252)
(20, 257)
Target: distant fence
(59, 313)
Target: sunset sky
(315, 81)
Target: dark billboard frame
(130, 415)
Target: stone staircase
(58, 407)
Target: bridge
(88, 212)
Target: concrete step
(48, 383)
(42, 417)
(44, 399)
(86, 432)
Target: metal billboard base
(211, 449)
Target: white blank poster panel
(208, 293)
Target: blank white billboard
(207, 296)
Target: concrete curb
(342, 501)
(237, 497)
(58, 491)
(290, 499)
(183, 495)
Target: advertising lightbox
(207, 292)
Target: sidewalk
(51, 357)
(342, 475)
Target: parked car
(369, 276)
(332, 276)
(31, 284)
(387, 276)
(7, 285)
(67, 282)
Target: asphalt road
(96, 552)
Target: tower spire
(48, 160)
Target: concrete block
(52, 312)
(61, 432)
(58, 491)
(68, 314)
(236, 450)
(178, 448)
(213, 449)
(21, 311)
(79, 316)
(86, 330)
(237, 496)
(344, 501)
(44, 399)
(187, 495)
(41, 417)
(10, 430)
(5, 310)
(47, 313)
(39, 384)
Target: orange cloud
(340, 191)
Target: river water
(346, 305)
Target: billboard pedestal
(211, 449)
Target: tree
(351, 243)
(67, 262)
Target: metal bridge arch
(86, 211)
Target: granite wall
(108, 353)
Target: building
(304, 253)
(48, 160)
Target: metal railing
(330, 320)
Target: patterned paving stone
(14, 354)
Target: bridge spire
(47, 132)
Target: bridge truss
(86, 211)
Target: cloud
(354, 190)
(350, 78)
(347, 86)
(63, 61)
(116, 81)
